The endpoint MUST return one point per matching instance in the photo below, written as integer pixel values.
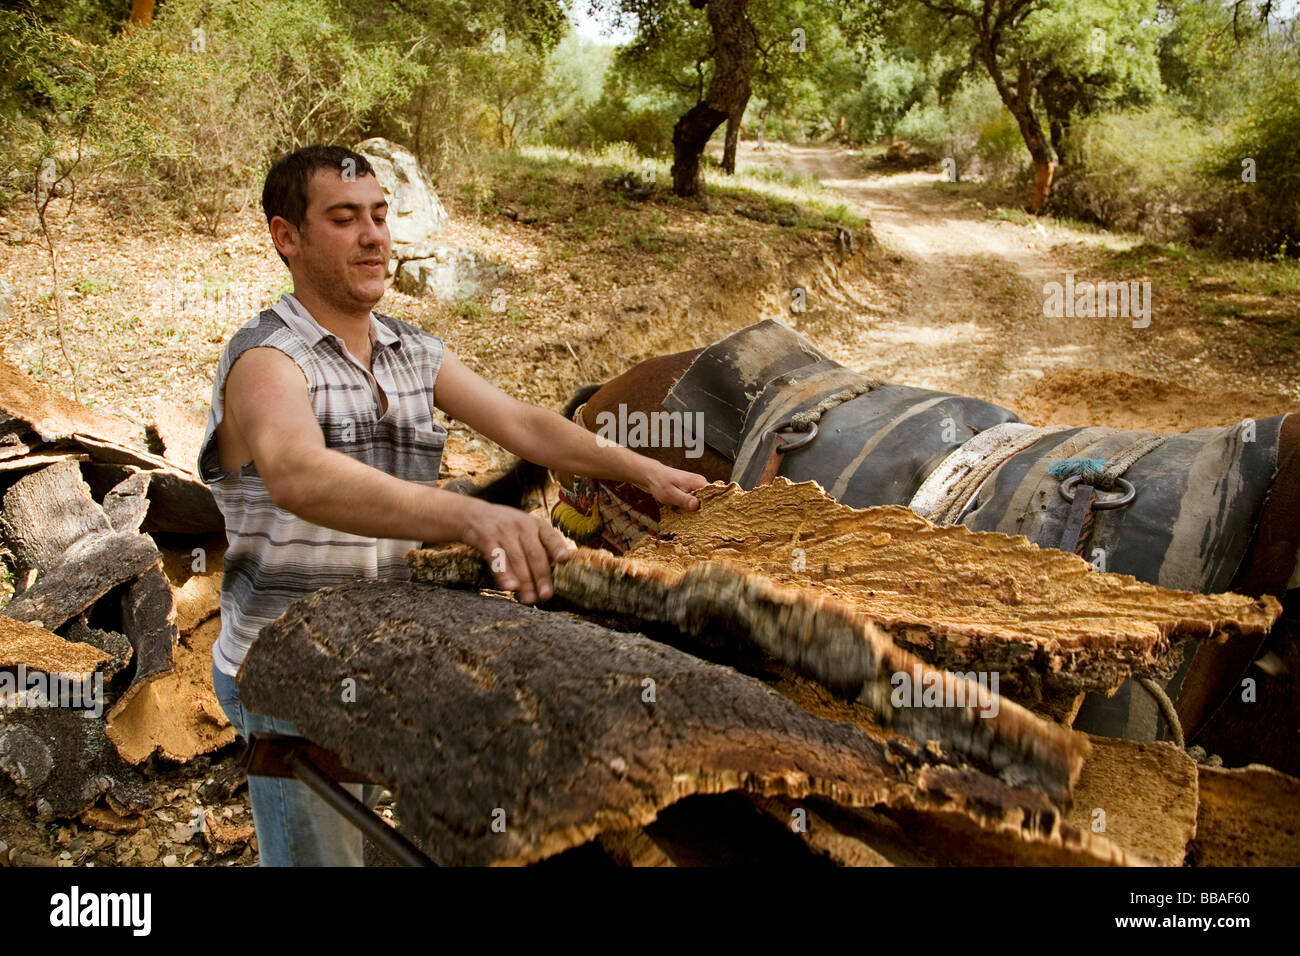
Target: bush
(889, 89)
(1261, 217)
(1133, 170)
(968, 127)
(614, 118)
(1000, 148)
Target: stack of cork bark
(114, 548)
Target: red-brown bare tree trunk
(1019, 100)
(142, 12)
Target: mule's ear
(464, 485)
(511, 488)
(580, 398)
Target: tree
(731, 57)
(1046, 58)
(783, 50)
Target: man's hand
(519, 547)
(672, 486)
(549, 439)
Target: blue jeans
(294, 826)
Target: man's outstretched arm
(267, 402)
(546, 438)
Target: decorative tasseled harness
(598, 513)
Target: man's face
(342, 249)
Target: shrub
(1261, 217)
(967, 127)
(1133, 170)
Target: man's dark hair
(285, 191)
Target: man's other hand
(520, 548)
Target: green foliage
(1135, 169)
(970, 126)
(1050, 60)
(888, 88)
(194, 108)
(78, 101)
(806, 71)
(1260, 217)
(468, 309)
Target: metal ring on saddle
(1099, 504)
(790, 446)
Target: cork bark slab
(815, 634)
(179, 432)
(960, 599)
(85, 576)
(14, 445)
(45, 514)
(40, 460)
(823, 837)
(127, 502)
(52, 416)
(1143, 794)
(149, 623)
(177, 715)
(198, 599)
(179, 502)
(114, 645)
(481, 712)
(634, 848)
(1248, 816)
(40, 650)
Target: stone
(415, 214)
(449, 273)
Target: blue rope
(1089, 470)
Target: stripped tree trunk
(1019, 99)
(142, 12)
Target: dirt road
(967, 309)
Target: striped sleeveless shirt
(274, 557)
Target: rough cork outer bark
(1249, 816)
(1146, 794)
(87, 574)
(127, 502)
(113, 644)
(46, 513)
(480, 711)
(65, 763)
(179, 503)
(962, 600)
(816, 634)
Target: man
(322, 453)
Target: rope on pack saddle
(1082, 478)
(774, 445)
